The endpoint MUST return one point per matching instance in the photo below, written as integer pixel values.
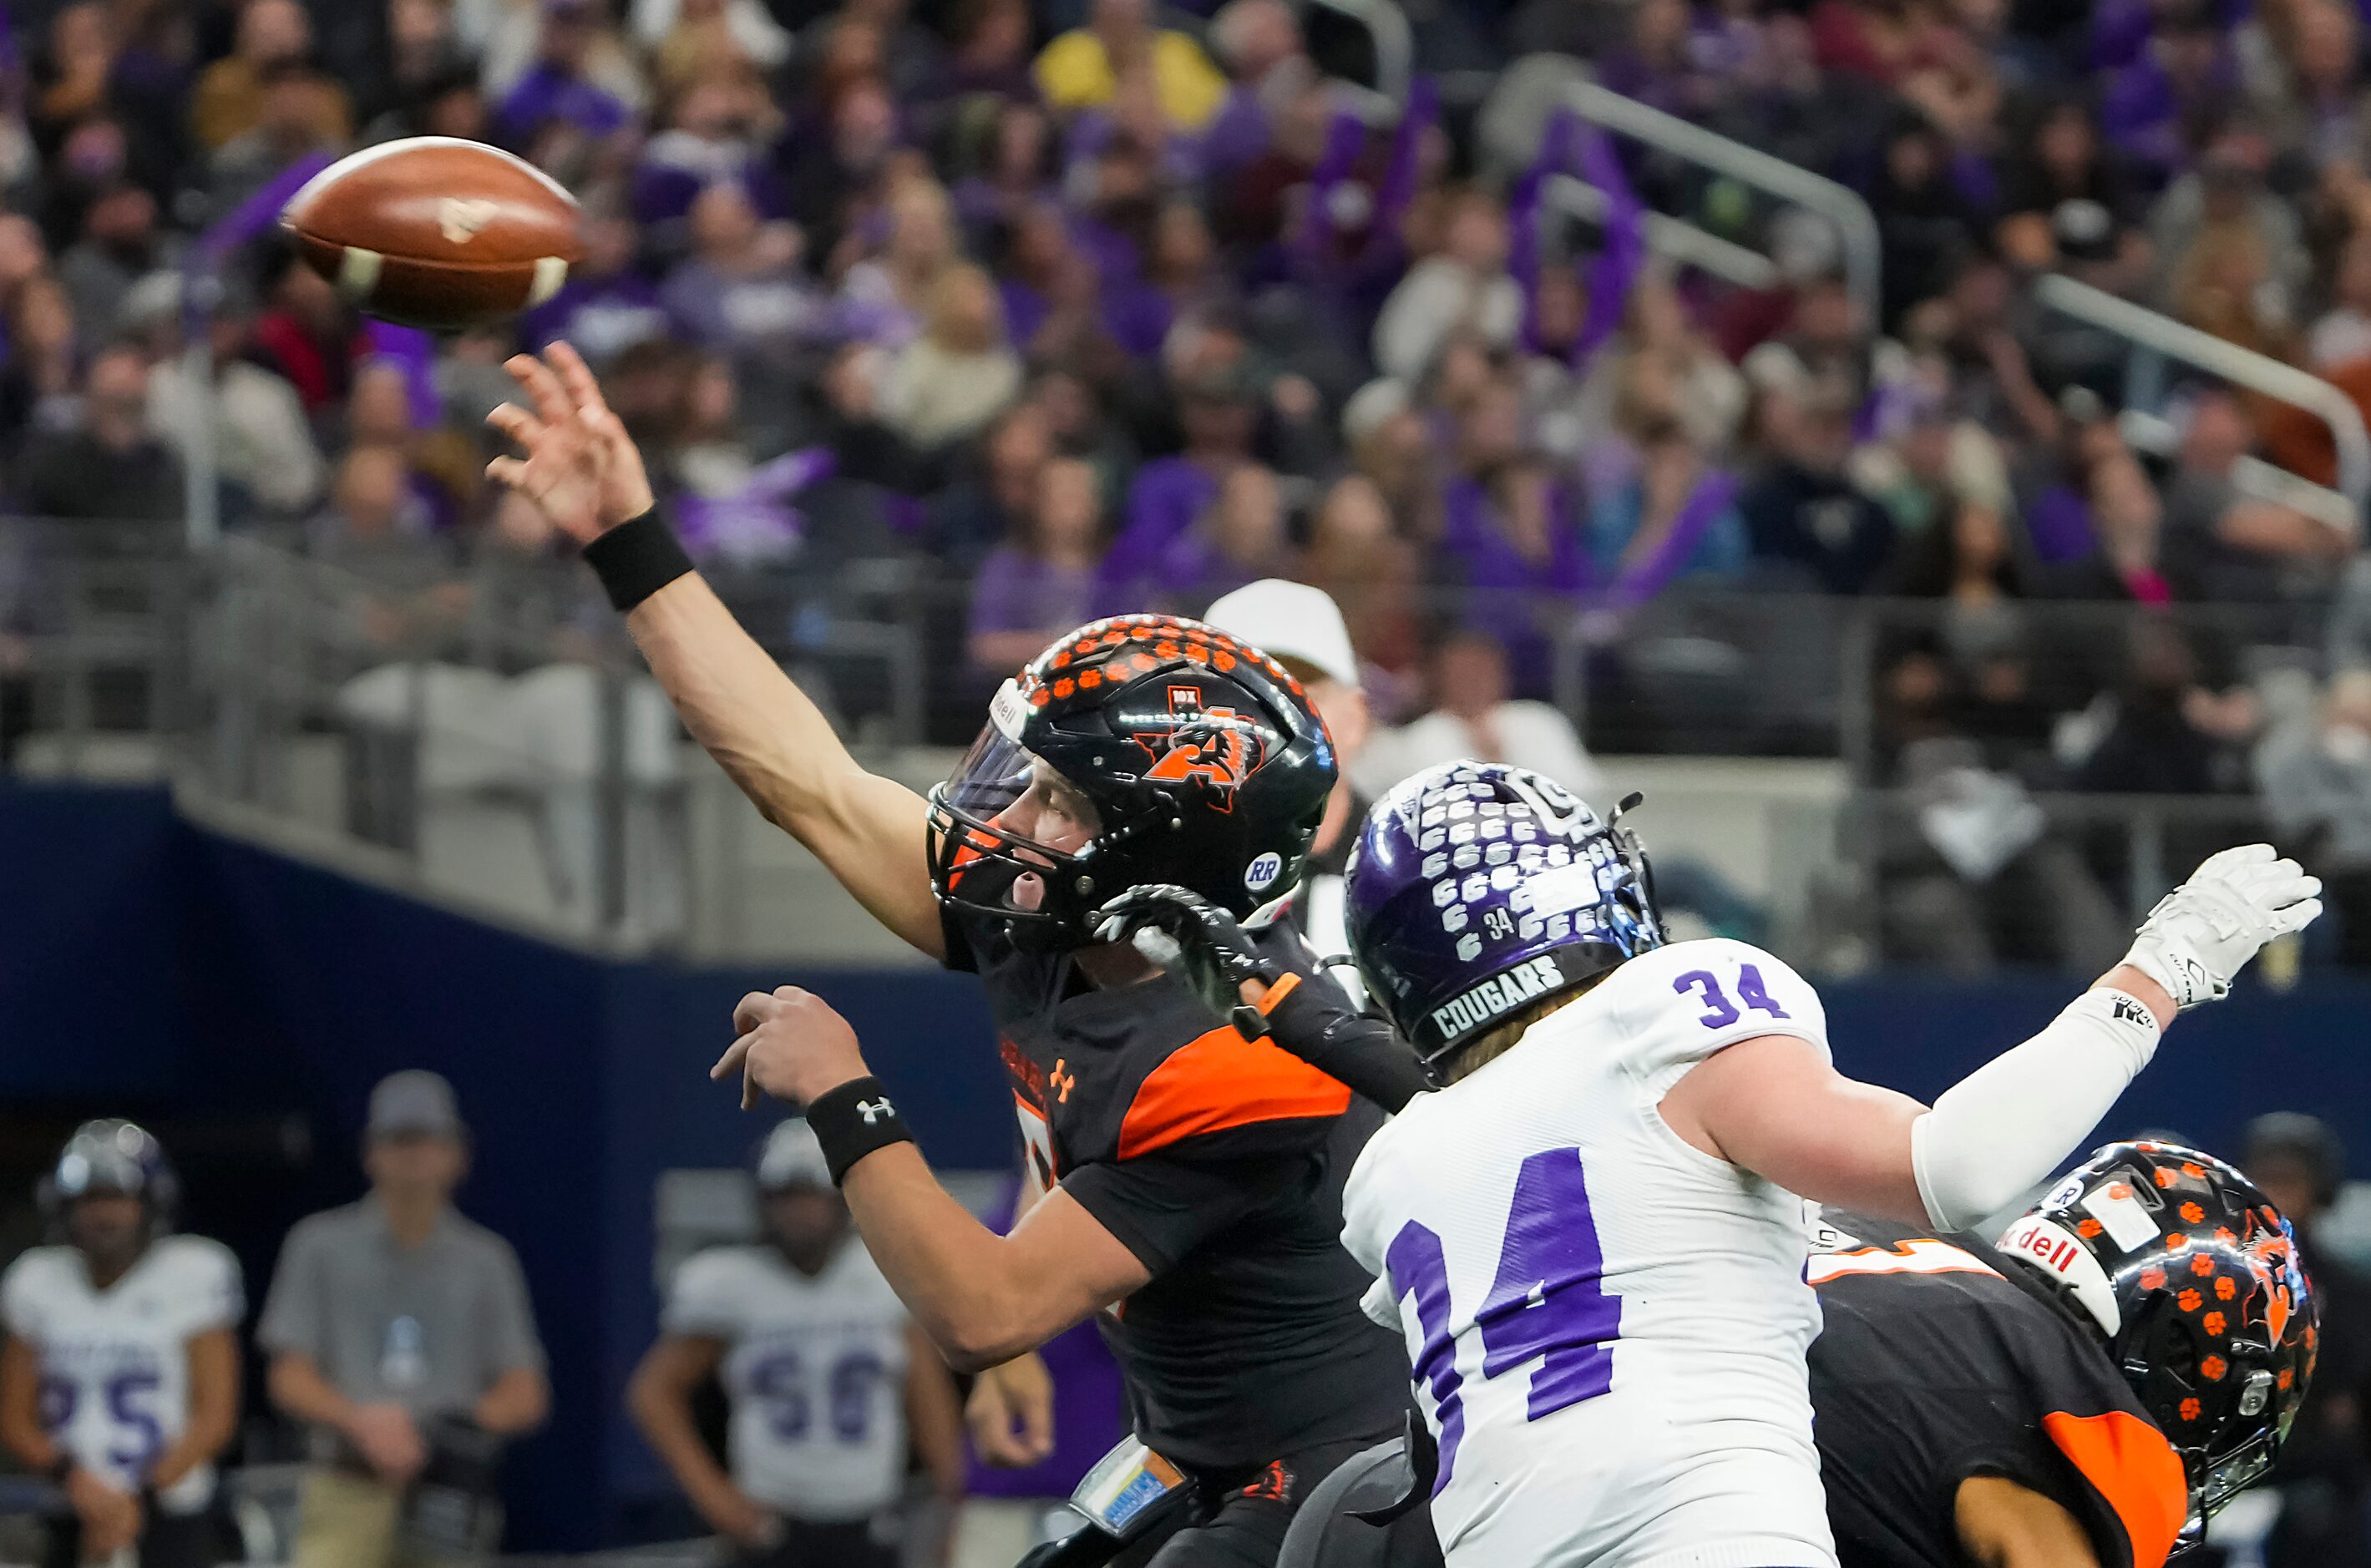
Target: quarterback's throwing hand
(582, 469)
(790, 1044)
(2204, 932)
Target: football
(436, 232)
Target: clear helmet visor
(1005, 821)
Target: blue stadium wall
(152, 968)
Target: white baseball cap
(1289, 620)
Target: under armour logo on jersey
(874, 1110)
(1063, 1083)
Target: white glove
(2205, 931)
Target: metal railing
(1855, 225)
(522, 759)
(2161, 335)
(1674, 238)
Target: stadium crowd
(1065, 309)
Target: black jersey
(1938, 1361)
(1218, 1161)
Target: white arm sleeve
(2005, 1126)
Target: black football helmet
(110, 1156)
(2194, 1281)
(1204, 760)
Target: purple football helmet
(1477, 889)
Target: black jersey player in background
(2123, 1363)
(1177, 1169)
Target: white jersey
(114, 1364)
(1607, 1324)
(816, 1370)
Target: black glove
(1215, 955)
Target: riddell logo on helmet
(1499, 994)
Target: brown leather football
(436, 232)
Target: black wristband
(637, 558)
(852, 1121)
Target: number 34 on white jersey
(1607, 1325)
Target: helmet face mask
(1143, 749)
(2193, 1280)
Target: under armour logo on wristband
(2127, 1010)
(874, 1110)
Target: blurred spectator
(2166, 729)
(39, 381)
(955, 377)
(228, 99)
(1259, 44)
(1978, 650)
(2315, 775)
(2067, 206)
(1465, 289)
(1368, 572)
(109, 469)
(560, 87)
(2128, 560)
(2342, 334)
(2251, 546)
(120, 245)
(892, 293)
(1472, 716)
(799, 1319)
(992, 505)
(399, 1334)
(296, 114)
(1925, 221)
(707, 29)
(118, 1325)
(1802, 510)
(991, 53)
(307, 335)
(740, 292)
(262, 442)
(1240, 537)
(1676, 519)
(375, 528)
(1217, 409)
(716, 126)
(1084, 68)
(1040, 582)
(606, 305)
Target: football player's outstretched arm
(1775, 1106)
(582, 470)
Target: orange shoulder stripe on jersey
(1220, 1081)
(2128, 1462)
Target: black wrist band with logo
(852, 1121)
(637, 558)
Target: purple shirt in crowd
(545, 94)
(1168, 494)
(1018, 591)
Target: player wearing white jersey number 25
(1593, 1233)
(119, 1379)
(826, 1376)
